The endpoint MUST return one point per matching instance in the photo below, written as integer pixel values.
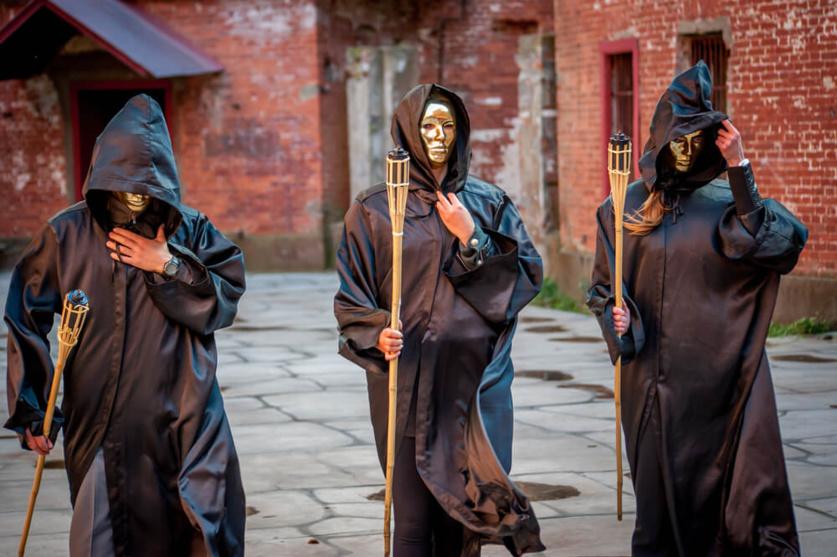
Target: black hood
(406, 133)
(683, 109)
(134, 154)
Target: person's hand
(140, 252)
(729, 143)
(455, 217)
(390, 342)
(39, 444)
(621, 319)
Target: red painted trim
(209, 63)
(21, 18)
(638, 147)
(77, 86)
(606, 116)
(78, 178)
(606, 50)
(116, 53)
(30, 9)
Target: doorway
(93, 104)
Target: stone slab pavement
(300, 419)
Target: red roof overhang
(30, 41)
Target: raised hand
(729, 143)
(148, 254)
(455, 216)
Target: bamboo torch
(398, 182)
(72, 320)
(618, 170)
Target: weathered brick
(781, 97)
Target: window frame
(720, 54)
(608, 49)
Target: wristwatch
(171, 267)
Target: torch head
(398, 184)
(72, 317)
(398, 161)
(619, 153)
(77, 298)
(618, 171)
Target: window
(712, 50)
(620, 97)
(621, 94)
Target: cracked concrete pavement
(300, 419)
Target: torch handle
(393, 387)
(63, 353)
(619, 157)
(72, 320)
(617, 375)
(36, 486)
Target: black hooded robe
(698, 408)
(458, 326)
(140, 383)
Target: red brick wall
(476, 42)
(248, 140)
(32, 161)
(782, 96)
(335, 35)
(479, 62)
(33, 182)
(261, 147)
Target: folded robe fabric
(458, 327)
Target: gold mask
(134, 201)
(438, 132)
(686, 150)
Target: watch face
(170, 268)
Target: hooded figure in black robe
(698, 408)
(139, 387)
(459, 313)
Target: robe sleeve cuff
(628, 345)
(27, 417)
(476, 251)
(749, 206)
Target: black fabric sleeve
(477, 250)
(359, 319)
(35, 296)
(775, 244)
(748, 203)
(508, 280)
(205, 298)
(601, 300)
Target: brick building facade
(262, 146)
(274, 146)
(780, 59)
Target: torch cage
(398, 182)
(619, 169)
(72, 317)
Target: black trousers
(422, 527)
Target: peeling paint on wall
(277, 21)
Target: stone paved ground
(300, 419)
